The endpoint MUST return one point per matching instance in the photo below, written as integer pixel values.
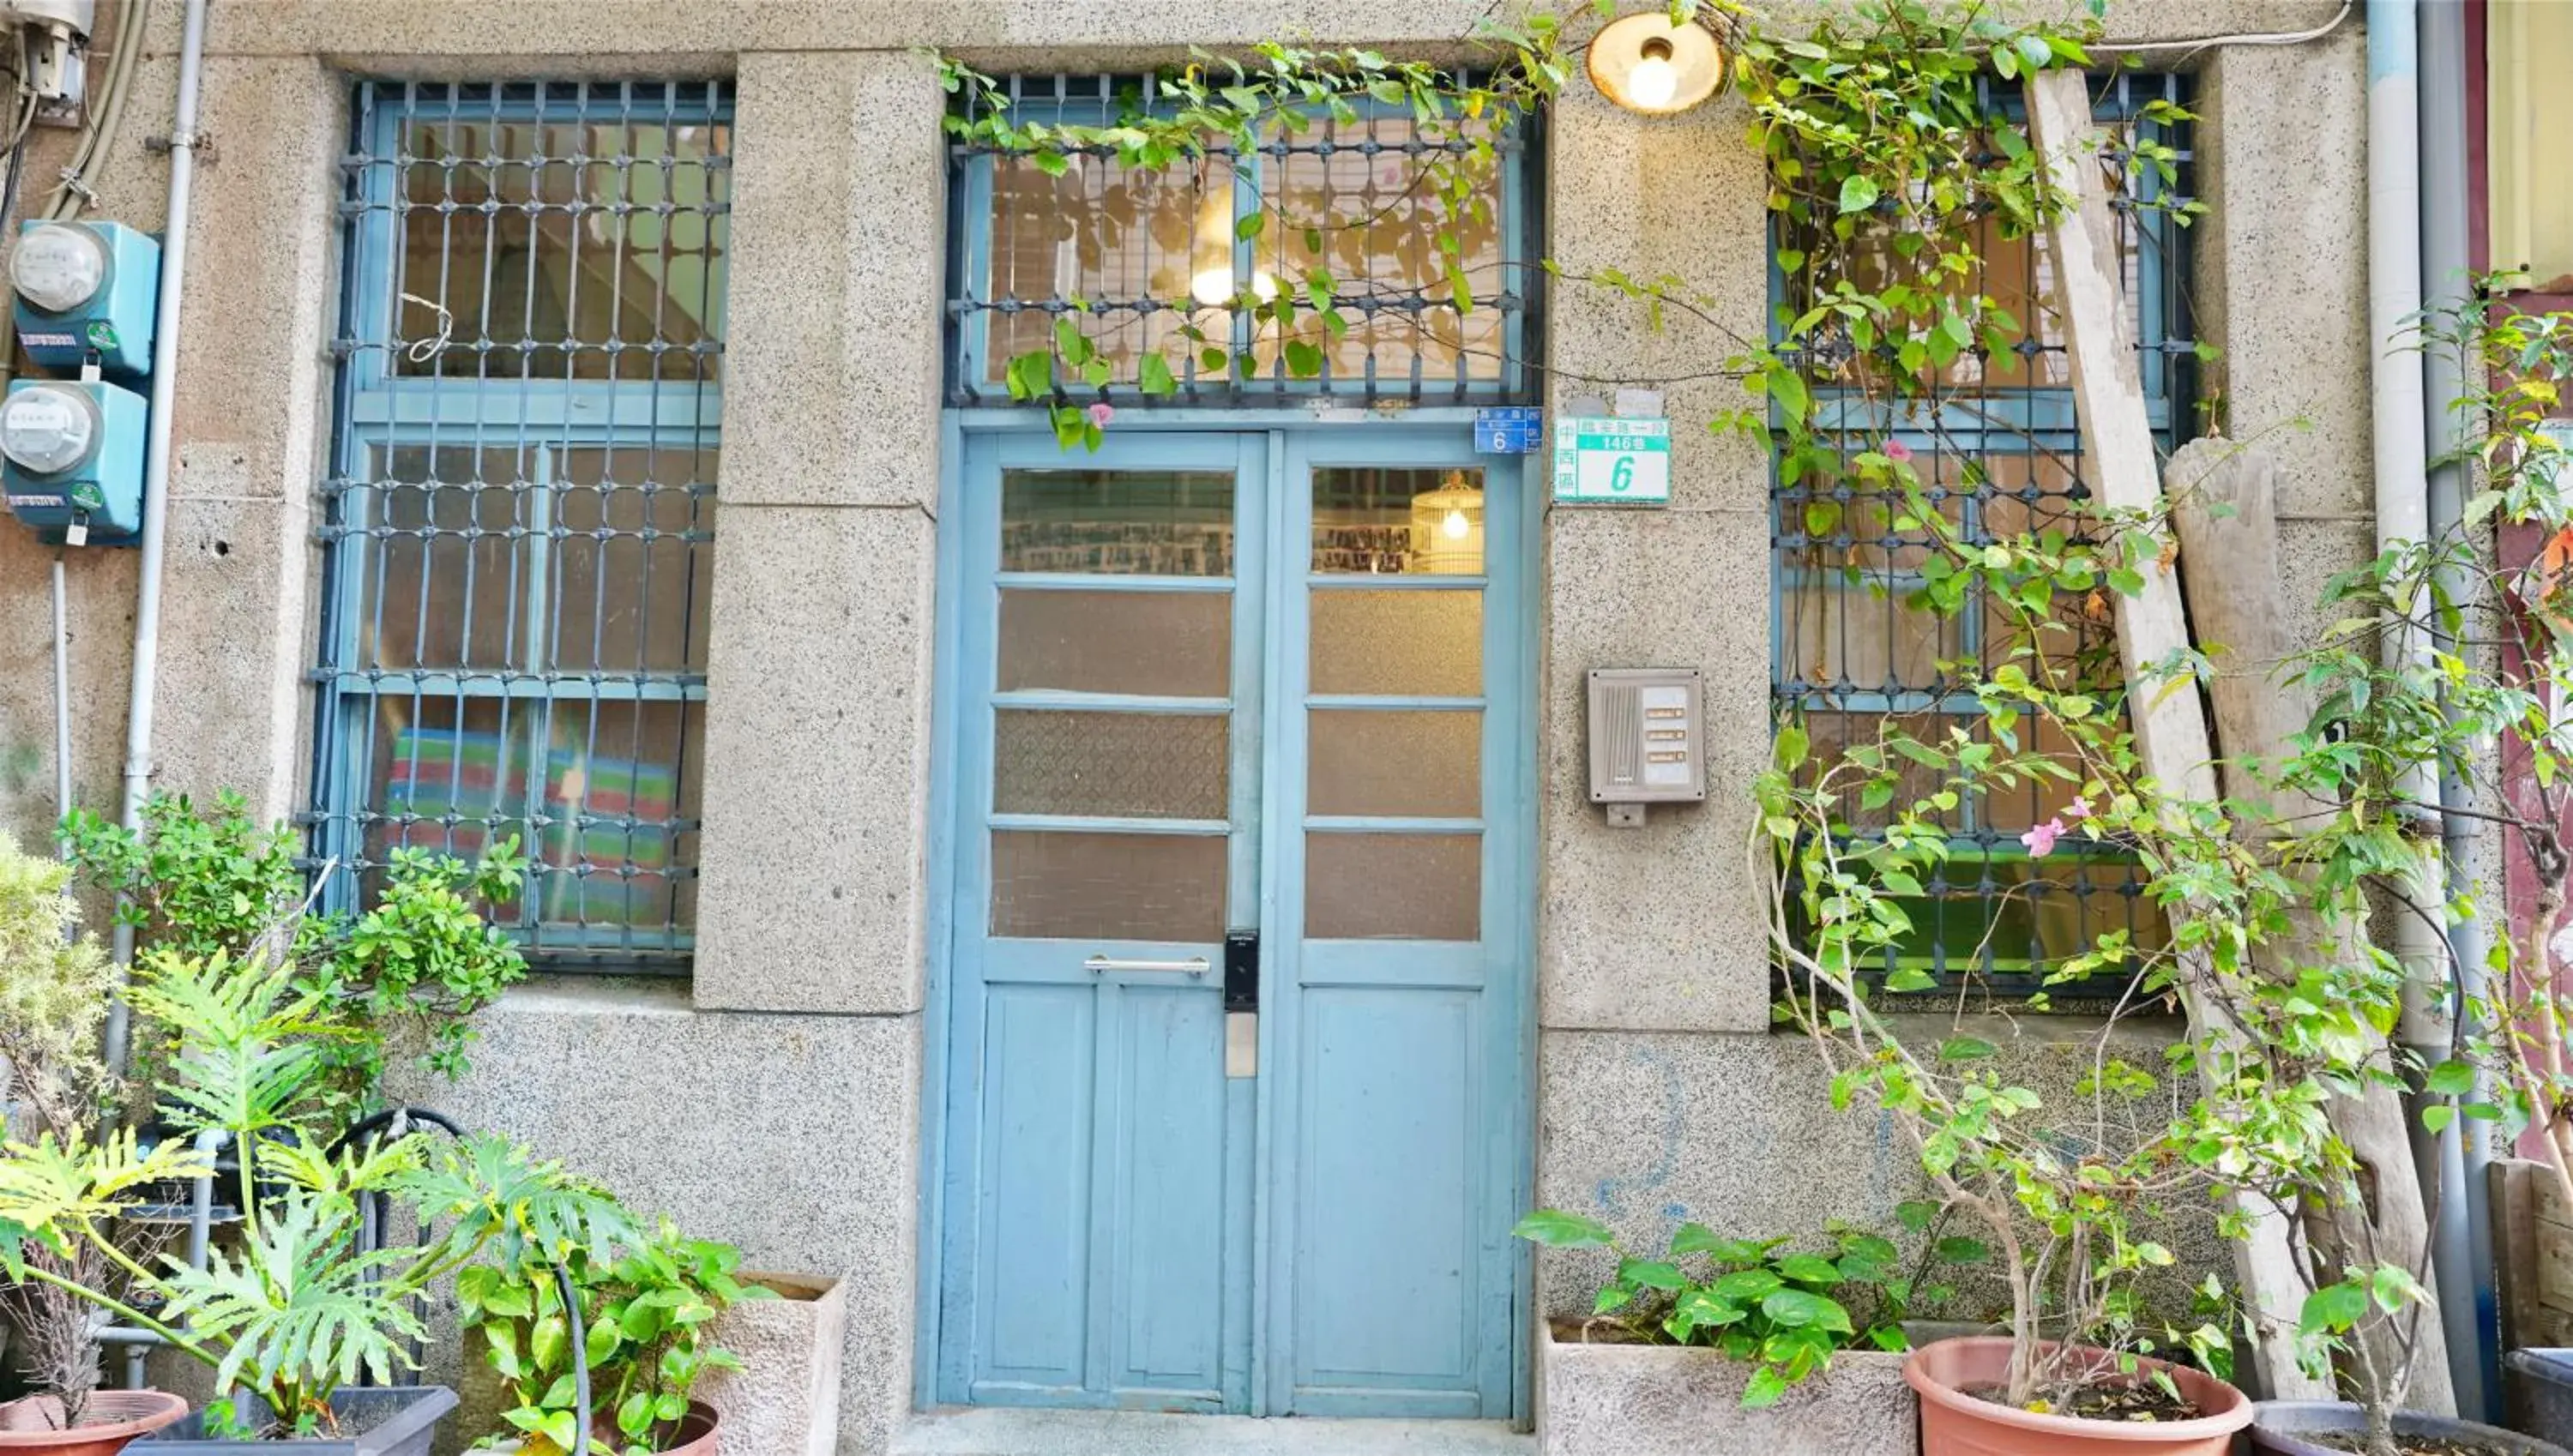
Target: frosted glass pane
(1395, 763)
(1419, 643)
(1151, 643)
(1399, 522)
(1117, 522)
(1113, 887)
(1110, 765)
(1393, 887)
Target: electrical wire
(98, 137)
(2189, 48)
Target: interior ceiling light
(1646, 64)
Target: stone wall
(776, 1101)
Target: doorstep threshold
(993, 1431)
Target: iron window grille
(518, 518)
(1132, 256)
(1998, 447)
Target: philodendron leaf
(1556, 1229)
(1765, 1386)
(1651, 1274)
(1747, 1286)
(1807, 1268)
(1798, 1309)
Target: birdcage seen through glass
(1993, 437)
(1135, 259)
(520, 516)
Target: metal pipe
(2465, 1231)
(156, 482)
(2399, 435)
(62, 696)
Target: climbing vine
(1897, 166)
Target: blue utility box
(73, 454)
(84, 289)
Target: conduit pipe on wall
(2445, 266)
(156, 481)
(2399, 435)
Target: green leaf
(1798, 1309)
(1807, 1268)
(1967, 1049)
(1764, 1388)
(2452, 1078)
(1612, 1298)
(1250, 225)
(1304, 359)
(1557, 1230)
(2333, 1309)
(1651, 1274)
(1956, 1250)
(1746, 1286)
(1696, 1238)
(1859, 193)
(1152, 376)
(1788, 753)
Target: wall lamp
(1646, 64)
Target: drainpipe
(156, 482)
(2400, 438)
(2466, 1152)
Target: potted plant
(53, 989)
(1729, 1346)
(416, 962)
(647, 1297)
(297, 1303)
(2384, 720)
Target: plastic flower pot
(374, 1420)
(114, 1417)
(2541, 1385)
(1956, 1423)
(2278, 1426)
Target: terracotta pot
(695, 1436)
(1954, 1423)
(115, 1417)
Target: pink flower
(1895, 449)
(2041, 840)
(1102, 413)
(2079, 808)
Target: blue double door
(1236, 1110)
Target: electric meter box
(1647, 739)
(73, 452)
(86, 288)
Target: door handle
(1101, 965)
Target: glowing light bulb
(1654, 80)
(1455, 527)
(1214, 287)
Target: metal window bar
(2000, 451)
(518, 517)
(1135, 255)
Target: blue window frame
(1134, 256)
(518, 517)
(1999, 448)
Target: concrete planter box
(785, 1398)
(1656, 1400)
